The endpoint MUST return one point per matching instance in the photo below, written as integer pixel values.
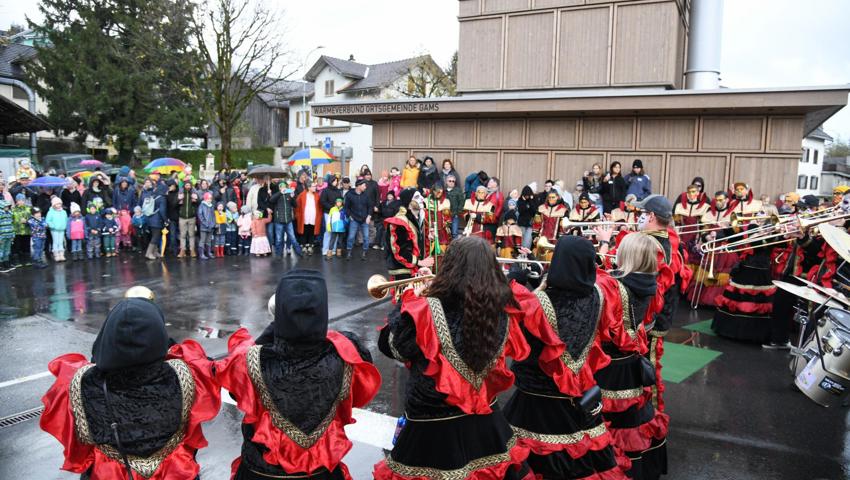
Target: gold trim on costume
(622, 394)
(144, 466)
(444, 335)
(628, 311)
(752, 287)
(654, 361)
(456, 474)
(303, 440)
(563, 438)
(393, 350)
(552, 318)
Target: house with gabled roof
(333, 79)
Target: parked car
(188, 147)
(70, 163)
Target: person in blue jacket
(639, 182)
(156, 221)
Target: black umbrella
(270, 170)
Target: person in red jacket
(297, 387)
(135, 411)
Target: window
(801, 182)
(321, 121)
(813, 181)
(302, 119)
(306, 119)
(329, 88)
(18, 93)
(805, 157)
(297, 119)
(815, 160)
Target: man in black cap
(297, 387)
(639, 182)
(358, 207)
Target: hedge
(238, 158)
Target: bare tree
(242, 49)
(423, 78)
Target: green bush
(238, 158)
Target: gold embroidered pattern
(393, 350)
(144, 466)
(303, 440)
(654, 361)
(628, 311)
(456, 474)
(561, 439)
(622, 394)
(574, 364)
(444, 335)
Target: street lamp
(304, 97)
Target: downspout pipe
(31, 107)
(706, 26)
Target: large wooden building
(550, 87)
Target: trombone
(379, 287)
(744, 243)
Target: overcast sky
(766, 43)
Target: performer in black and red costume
(298, 391)
(636, 427)
(405, 246)
(136, 411)
(455, 340)
(556, 408)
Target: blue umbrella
(48, 182)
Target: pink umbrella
(91, 163)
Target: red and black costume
(482, 215)
(636, 427)
(688, 213)
(555, 409)
(157, 398)
(711, 288)
(404, 241)
(297, 392)
(454, 427)
(439, 213)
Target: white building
(336, 80)
(810, 166)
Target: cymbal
(828, 292)
(836, 238)
(806, 293)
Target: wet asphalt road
(736, 418)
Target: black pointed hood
(301, 307)
(573, 267)
(133, 334)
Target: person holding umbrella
(157, 220)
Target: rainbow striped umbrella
(165, 165)
(84, 175)
(310, 157)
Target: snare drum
(833, 319)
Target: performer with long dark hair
(136, 411)
(455, 340)
(556, 408)
(298, 391)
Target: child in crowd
(387, 208)
(94, 224)
(244, 230)
(337, 225)
(76, 232)
(7, 235)
(20, 216)
(220, 229)
(259, 242)
(38, 232)
(125, 227)
(140, 229)
(395, 182)
(206, 222)
(383, 185)
(57, 221)
(231, 234)
(109, 230)
(509, 235)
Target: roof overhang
(816, 103)
(16, 119)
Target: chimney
(351, 58)
(706, 26)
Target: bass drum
(826, 382)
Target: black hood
(132, 335)
(526, 192)
(642, 284)
(573, 266)
(301, 307)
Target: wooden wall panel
(480, 55)
(415, 133)
(557, 3)
(529, 62)
(559, 134)
(495, 6)
(653, 165)
(521, 168)
(386, 159)
(467, 162)
(645, 55)
(468, 8)
(588, 65)
(667, 133)
(436, 154)
(770, 175)
(785, 134)
(451, 133)
(381, 134)
(569, 167)
(733, 134)
(501, 133)
(682, 168)
(612, 133)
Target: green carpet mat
(701, 327)
(682, 361)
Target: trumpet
(568, 224)
(379, 287)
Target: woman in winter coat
(614, 188)
(326, 200)
(428, 174)
(308, 211)
(527, 208)
(97, 189)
